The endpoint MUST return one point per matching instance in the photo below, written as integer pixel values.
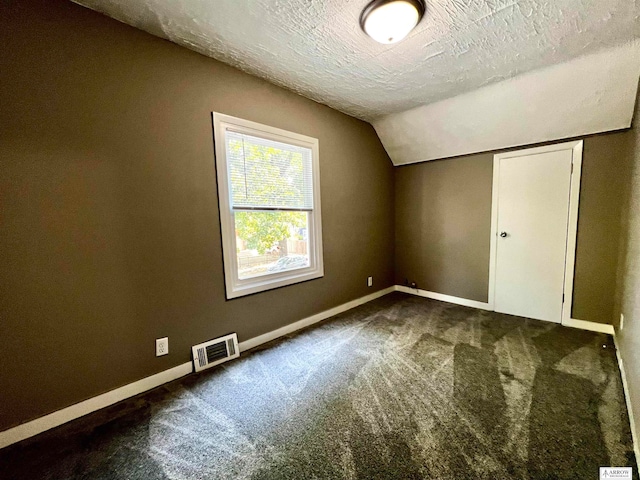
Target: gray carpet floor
(402, 387)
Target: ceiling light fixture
(389, 21)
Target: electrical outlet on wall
(162, 346)
(369, 281)
(621, 321)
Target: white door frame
(572, 229)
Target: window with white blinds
(269, 198)
(268, 174)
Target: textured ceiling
(316, 47)
(586, 95)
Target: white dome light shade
(389, 21)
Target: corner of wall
(628, 282)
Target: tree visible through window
(273, 204)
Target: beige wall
(443, 220)
(109, 223)
(628, 338)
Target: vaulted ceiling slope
(316, 47)
(590, 94)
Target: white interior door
(533, 193)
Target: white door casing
(535, 203)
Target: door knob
(503, 234)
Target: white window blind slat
(268, 174)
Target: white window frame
(236, 287)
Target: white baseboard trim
(625, 387)
(591, 326)
(55, 419)
(305, 322)
(572, 322)
(444, 298)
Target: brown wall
(628, 338)
(443, 220)
(109, 222)
(605, 174)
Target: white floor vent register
(213, 352)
